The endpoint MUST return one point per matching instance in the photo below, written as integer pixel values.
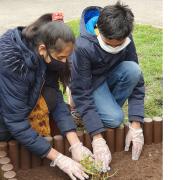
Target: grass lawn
(148, 42)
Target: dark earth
(148, 167)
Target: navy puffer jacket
(90, 66)
(22, 77)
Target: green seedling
(94, 169)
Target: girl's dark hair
(65, 76)
(115, 21)
(54, 35)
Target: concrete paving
(22, 12)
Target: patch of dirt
(148, 167)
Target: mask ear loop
(49, 54)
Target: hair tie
(58, 16)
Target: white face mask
(110, 49)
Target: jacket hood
(89, 14)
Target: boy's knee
(133, 72)
(117, 119)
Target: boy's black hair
(115, 21)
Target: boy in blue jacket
(105, 73)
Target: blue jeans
(110, 96)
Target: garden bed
(148, 167)
(29, 166)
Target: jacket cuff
(97, 131)
(136, 118)
(66, 127)
(46, 153)
(92, 122)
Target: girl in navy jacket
(33, 60)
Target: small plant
(94, 169)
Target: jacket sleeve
(55, 101)
(136, 100)
(81, 90)
(62, 115)
(15, 112)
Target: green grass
(148, 42)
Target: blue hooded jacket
(90, 66)
(22, 77)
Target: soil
(148, 167)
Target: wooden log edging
(46, 162)
(3, 146)
(157, 129)
(87, 140)
(110, 139)
(6, 168)
(25, 158)
(119, 139)
(59, 143)
(21, 158)
(148, 130)
(13, 151)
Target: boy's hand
(136, 136)
(79, 152)
(102, 153)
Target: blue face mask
(55, 65)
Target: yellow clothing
(39, 118)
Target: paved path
(22, 12)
